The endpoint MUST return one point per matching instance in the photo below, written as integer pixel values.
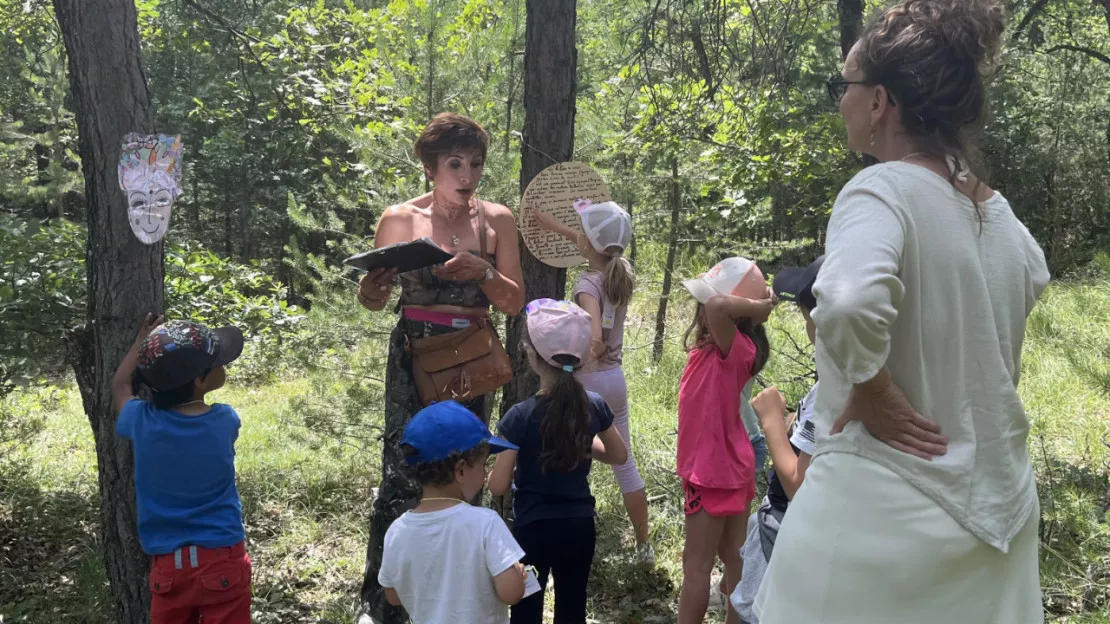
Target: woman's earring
(872, 135)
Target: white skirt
(860, 545)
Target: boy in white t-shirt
(790, 452)
(447, 561)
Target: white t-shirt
(804, 437)
(442, 564)
(912, 280)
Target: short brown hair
(448, 132)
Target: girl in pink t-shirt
(727, 346)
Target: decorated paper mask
(150, 176)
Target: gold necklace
(455, 241)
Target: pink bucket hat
(558, 328)
(734, 276)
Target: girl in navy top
(559, 431)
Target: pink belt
(457, 321)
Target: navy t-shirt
(545, 496)
(184, 476)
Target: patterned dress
(398, 493)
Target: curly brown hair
(448, 132)
(933, 57)
(442, 472)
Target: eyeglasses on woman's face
(838, 86)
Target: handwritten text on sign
(554, 191)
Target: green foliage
(321, 101)
(42, 295)
(203, 287)
(206, 288)
(341, 350)
(1048, 143)
(39, 167)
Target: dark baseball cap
(796, 284)
(448, 427)
(177, 352)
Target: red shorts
(715, 501)
(194, 583)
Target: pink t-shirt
(714, 450)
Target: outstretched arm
(121, 381)
(550, 223)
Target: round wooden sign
(554, 191)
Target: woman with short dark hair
(435, 301)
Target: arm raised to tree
(121, 381)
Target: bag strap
(482, 230)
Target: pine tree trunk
(632, 250)
(124, 275)
(851, 23)
(550, 86)
(672, 248)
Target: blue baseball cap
(447, 427)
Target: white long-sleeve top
(912, 280)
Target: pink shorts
(715, 501)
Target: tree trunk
(851, 23)
(124, 275)
(430, 94)
(632, 245)
(672, 247)
(550, 86)
(550, 89)
(510, 82)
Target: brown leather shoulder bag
(461, 365)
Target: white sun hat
(734, 276)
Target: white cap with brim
(607, 225)
(736, 276)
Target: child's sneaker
(718, 599)
(645, 555)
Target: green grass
(308, 458)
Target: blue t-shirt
(545, 496)
(184, 476)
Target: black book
(404, 257)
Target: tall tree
(550, 87)
(851, 23)
(668, 270)
(124, 275)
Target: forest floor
(306, 496)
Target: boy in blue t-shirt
(189, 514)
